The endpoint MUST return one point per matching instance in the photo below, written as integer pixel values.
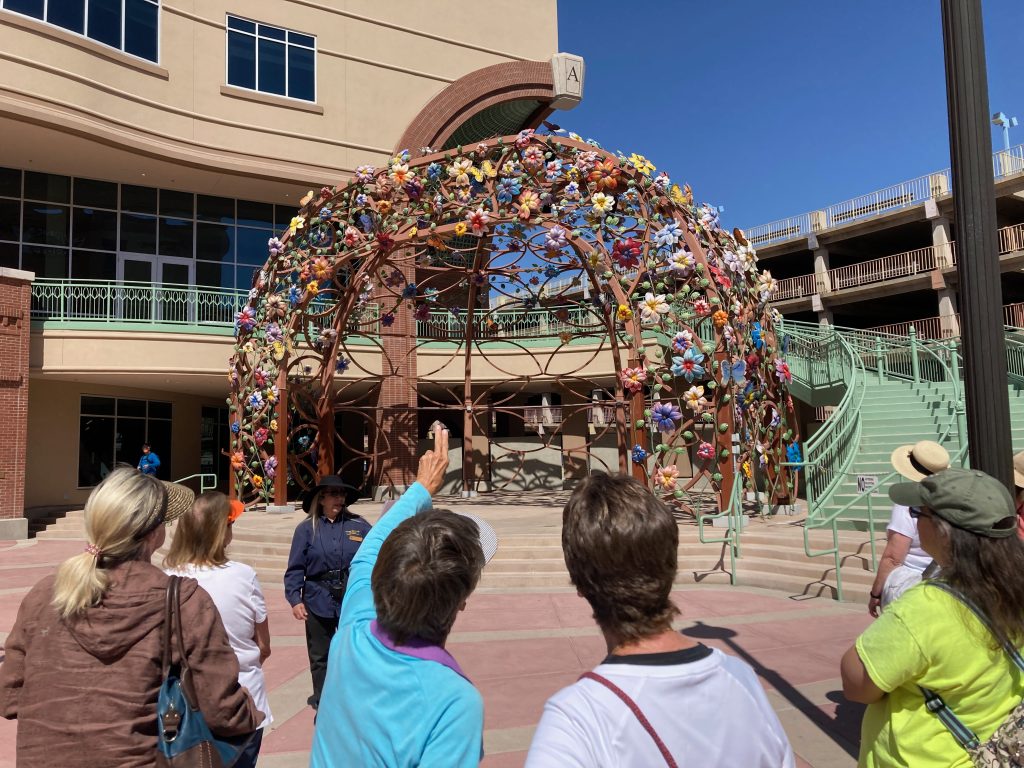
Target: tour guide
(322, 550)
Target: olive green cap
(966, 498)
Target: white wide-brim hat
(918, 461)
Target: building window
(111, 431)
(271, 59)
(132, 26)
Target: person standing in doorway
(150, 462)
(314, 583)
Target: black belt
(328, 575)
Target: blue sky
(776, 108)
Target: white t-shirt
(236, 593)
(708, 708)
(901, 522)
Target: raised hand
(434, 463)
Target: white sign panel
(866, 483)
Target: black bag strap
(964, 736)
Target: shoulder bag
(1005, 748)
(184, 740)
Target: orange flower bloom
(237, 461)
(606, 175)
(720, 318)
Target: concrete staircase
(529, 556)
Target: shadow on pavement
(843, 729)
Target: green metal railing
(207, 481)
(733, 515)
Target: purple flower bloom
(409, 291)
(275, 246)
(388, 319)
(665, 416)
(274, 332)
(555, 238)
(270, 466)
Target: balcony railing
(916, 262)
(1005, 163)
(931, 327)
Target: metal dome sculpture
(453, 283)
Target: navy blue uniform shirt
(333, 548)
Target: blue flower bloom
(665, 416)
(366, 223)
(639, 454)
(508, 190)
(551, 272)
(668, 235)
(294, 295)
(793, 456)
(236, 427)
(409, 291)
(755, 335)
(325, 213)
(361, 199)
(433, 171)
(343, 364)
(689, 365)
(256, 400)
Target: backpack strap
(635, 709)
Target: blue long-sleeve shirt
(149, 463)
(331, 549)
(381, 707)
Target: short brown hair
(621, 549)
(426, 569)
(199, 538)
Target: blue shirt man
(150, 462)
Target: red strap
(669, 760)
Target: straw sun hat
(179, 500)
(918, 461)
(1018, 470)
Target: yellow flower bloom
(273, 425)
(257, 480)
(298, 222)
(313, 288)
(625, 313)
(460, 229)
(677, 195)
(642, 164)
(487, 170)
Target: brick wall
(14, 337)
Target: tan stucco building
(148, 156)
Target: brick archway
(473, 93)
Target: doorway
(155, 288)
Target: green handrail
(733, 513)
(207, 481)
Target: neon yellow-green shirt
(929, 638)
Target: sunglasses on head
(916, 513)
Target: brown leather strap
(669, 760)
(168, 617)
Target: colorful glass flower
(270, 467)
(689, 365)
(245, 320)
(667, 478)
(652, 308)
(639, 454)
(720, 318)
(633, 379)
(668, 235)
(605, 175)
(783, 372)
(705, 451)
(694, 398)
(664, 416)
(508, 190)
(624, 314)
(477, 221)
(642, 164)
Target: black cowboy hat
(331, 481)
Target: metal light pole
(970, 140)
(1006, 123)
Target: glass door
(155, 288)
(134, 292)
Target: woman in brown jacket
(83, 662)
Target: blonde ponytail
(124, 505)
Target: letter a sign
(567, 72)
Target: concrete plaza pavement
(521, 645)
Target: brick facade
(15, 298)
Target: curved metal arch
(470, 245)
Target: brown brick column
(15, 305)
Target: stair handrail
(207, 480)
(733, 512)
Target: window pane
(46, 186)
(10, 220)
(28, 7)
(10, 182)
(93, 265)
(140, 199)
(9, 255)
(97, 406)
(42, 223)
(246, 26)
(158, 410)
(131, 434)
(252, 246)
(295, 37)
(273, 32)
(220, 209)
(175, 238)
(131, 408)
(301, 73)
(105, 21)
(283, 216)
(215, 275)
(98, 194)
(180, 204)
(92, 228)
(245, 277)
(257, 214)
(215, 242)
(95, 449)
(69, 14)
(45, 262)
(138, 233)
(241, 60)
(140, 28)
(271, 74)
